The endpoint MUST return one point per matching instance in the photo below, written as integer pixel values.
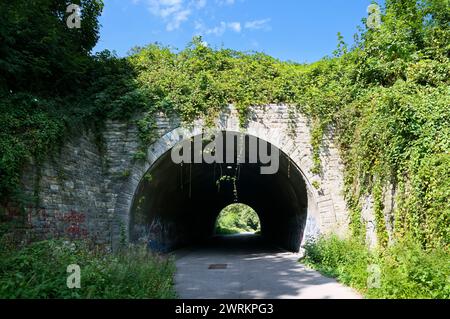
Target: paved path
(253, 271)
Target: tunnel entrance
(237, 219)
(176, 205)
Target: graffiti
(160, 235)
(71, 217)
(75, 221)
(76, 231)
(69, 224)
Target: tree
(38, 52)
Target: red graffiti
(54, 223)
(73, 217)
(75, 230)
(51, 223)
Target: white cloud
(257, 24)
(235, 26)
(199, 4)
(177, 19)
(198, 25)
(225, 2)
(174, 12)
(219, 29)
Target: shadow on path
(244, 266)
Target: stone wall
(87, 191)
(368, 215)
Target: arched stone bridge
(99, 190)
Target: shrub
(343, 259)
(407, 270)
(39, 271)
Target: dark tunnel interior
(177, 205)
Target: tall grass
(40, 271)
(406, 270)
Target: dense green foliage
(38, 52)
(237, 218)
(406, 270)
(39, 271)
(389, 100)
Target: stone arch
(323, 209)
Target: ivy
(382, 235)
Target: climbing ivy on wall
(386, 99)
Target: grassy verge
(406, 271)
(40, 271)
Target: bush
(346, 260)
(407, 270)
(39, 271)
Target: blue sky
(297, 30)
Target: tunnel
(177, 204)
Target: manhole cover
(218, 266)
